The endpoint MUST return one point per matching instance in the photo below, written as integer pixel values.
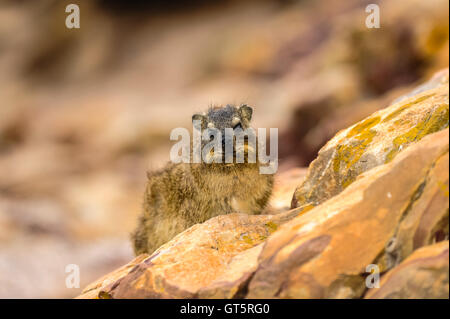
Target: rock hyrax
(184, 194)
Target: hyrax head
(228, 130)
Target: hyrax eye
(236, 120)
(237, 126)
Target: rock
(361, 63)
(233, 282)
(212, 259)
(395, 202)
(422, 275)
(374, 141)
(94, 290)
(284, 185)
(324, 252)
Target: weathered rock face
(424, 274)
(324, 253)
(377, 194)
(213, 259)
(96, 289)
(375, 141)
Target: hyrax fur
(184, 194)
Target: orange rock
(217, 256)
(324, 252)
(94, 290)
(374, 141)
(424, 274)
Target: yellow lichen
(363, 126)
(351, 153)
(104, 295)
(444, 188)
(436, 121)
(272, 226)
(247, 239)
(404, 107)
(305, 209)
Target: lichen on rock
(374, 141)
(376, 220)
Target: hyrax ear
(198, 117)
(246, 112)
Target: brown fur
(181, 195)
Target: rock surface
(374, 141)
(422, 275)
(377, 194)
(216, 257)
(324, 253)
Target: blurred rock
(32, 267)
(353, 71)
(284, 185)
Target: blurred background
(84, 113)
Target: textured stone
(217, 256)
(422, 275)
(374, 141)
(324, 252)
(95, 289)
